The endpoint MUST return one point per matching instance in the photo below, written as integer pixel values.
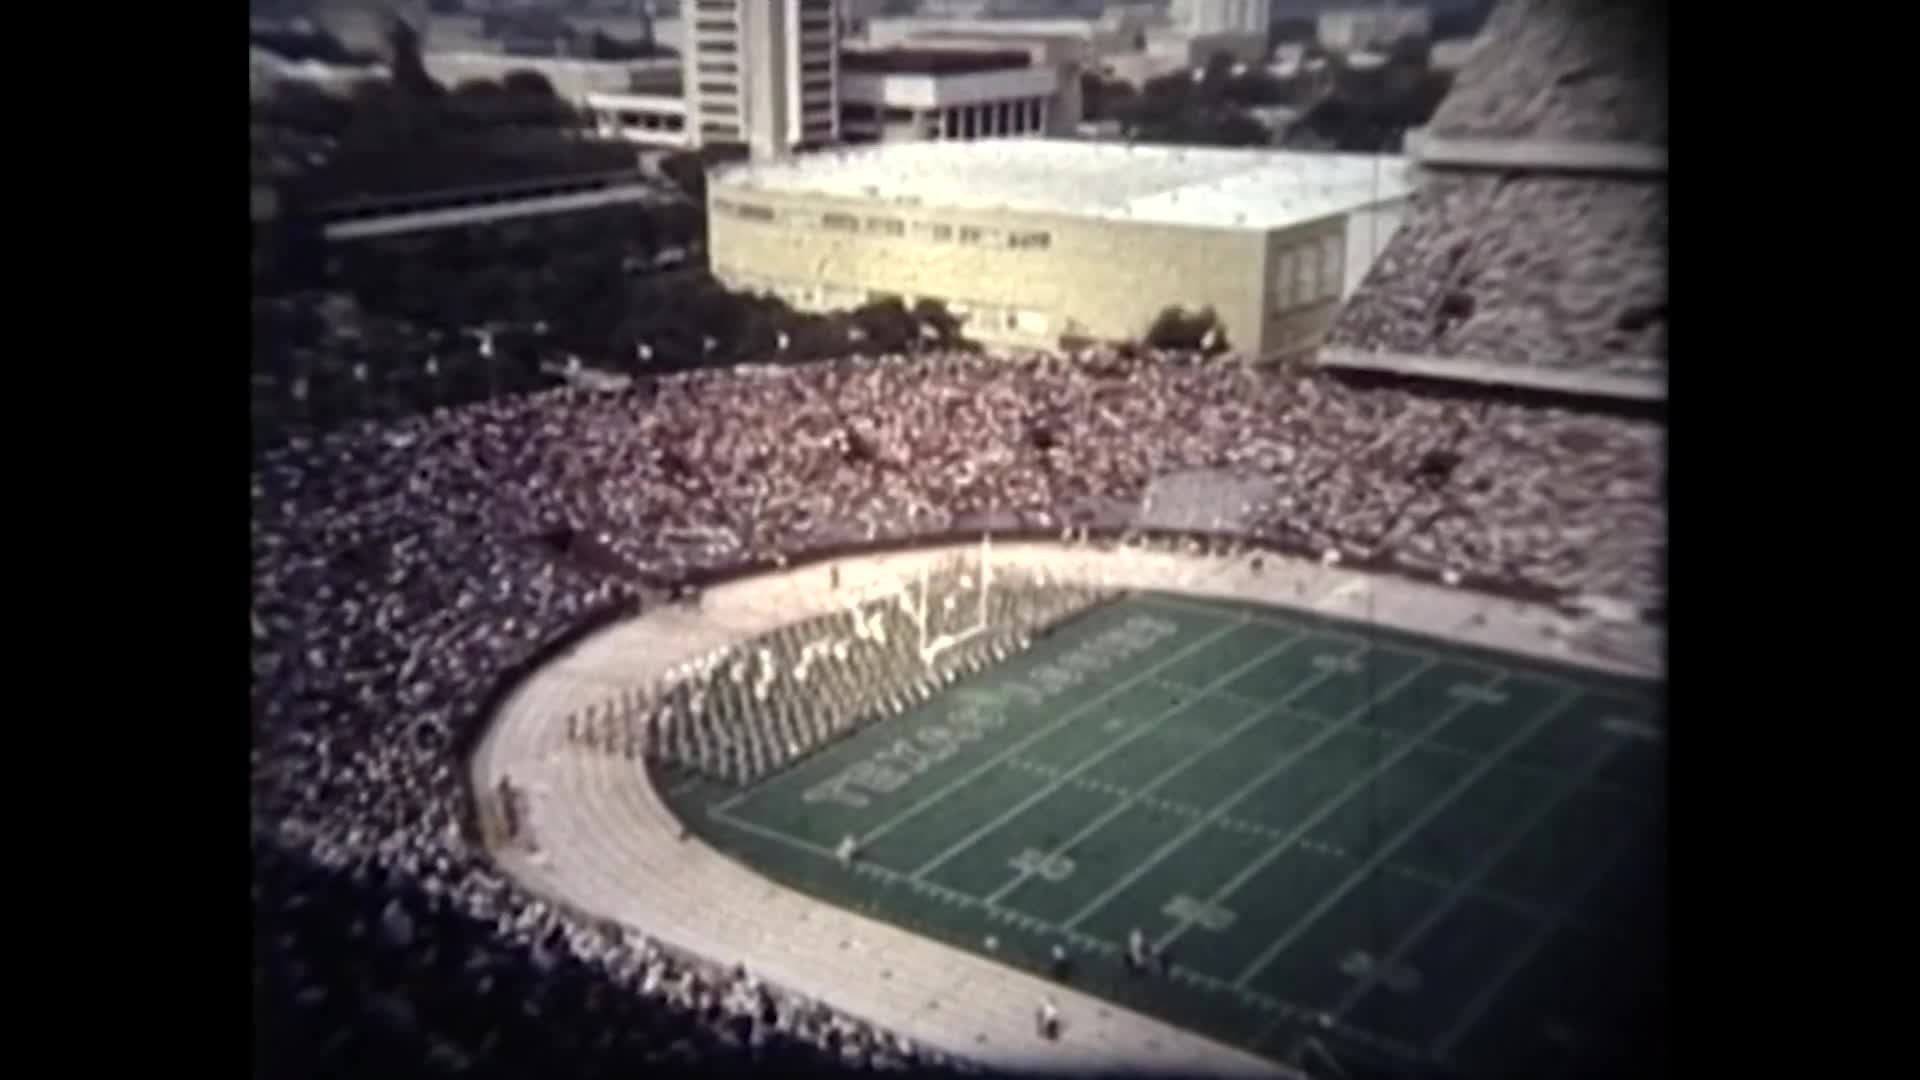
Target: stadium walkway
(608, 844)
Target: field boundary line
(1195, 602)
(1283, 1009)
(1326, 808)
(1427, 814)
(1220, 808)
(1089, 942)
(1139, 732)
(1032, 737)
(1199, 605)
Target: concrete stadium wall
(1094, 278)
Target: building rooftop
(1159, 184)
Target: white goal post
(983, 579)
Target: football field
(1350, 843)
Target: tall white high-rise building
(1222, 16)
(762, 74)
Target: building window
(722, 89)
(817, 67)
(1283, 279)
(1304, 286)
(1332, 265)
(754, 213)
(887, 226)
(817, 86)
(1026, 321)
(726, 48)
(969, 235)
(713, 26)
(840, 222)
(1030, 240)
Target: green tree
(1105, 99)
(1218, 69)
(528, 83)
(945, 325)
(1177, 328)
(409, 70)
(887, 324)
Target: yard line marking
(776, 835)
(1188, 604)
(1465, 886)
(1374, 862)
(1286, 1009)
(1220, 808)
(1625, 794)
(1325, 809)
(1139, 731)
(1444, 1047)
(1181, 653)
(995, 912)
(1129, 799)
(1312, 620)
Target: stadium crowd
(430, 964)
(1534, 267)
(399, 571)
(1588, 70)
(1470, 276)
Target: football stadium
(1103, 710)
(1347, 840)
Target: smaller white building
(907, 94)
(1353, 29)
(1201, 17)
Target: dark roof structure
(907, 61)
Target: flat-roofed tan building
(1032, 240)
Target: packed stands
(400, 574)
(1527, 270)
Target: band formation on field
(1340, 843)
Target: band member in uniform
(1048, 1020)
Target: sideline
(609, 845)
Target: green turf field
(1425, 857)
